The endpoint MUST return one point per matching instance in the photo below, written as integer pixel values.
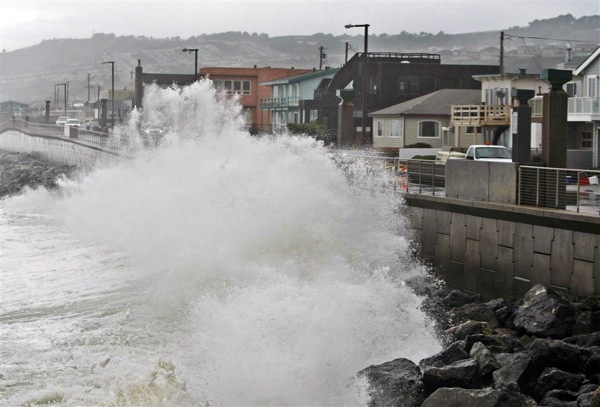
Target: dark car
(92, 125)
(152, 134)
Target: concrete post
(47, 111)
(103, 115)
(139, 86)
(521, 134)
(346, 136)
(554, 124)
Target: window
(586, 139)
(394, 128)
(572, 89)
(408, 84)
(473, 130)
(229, 87)
(429, 129)
(592, 88)
(379, 128)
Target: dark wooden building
(394, 78)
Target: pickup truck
(488, 153)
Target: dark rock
(592, 367)
(590, 303)
(458, 397)
(585, 399)
(478, 312)
(457, 298)
(496, 343)
(504, 315)
(556, 379)
(587, 322)
(551, 401)
(453, 353)
(551, 353)
(486, 360)
(464, 373)
(584, 340)
(510, 373)
(396, 383)
(544, 312)
(496, 304)
(465, 329)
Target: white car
(62, 120)
(488, 153)
(73, 122)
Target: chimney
(569, 57)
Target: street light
(112, 109)
(195, 51)
(365, 72)
(65, 85)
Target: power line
(550, 39)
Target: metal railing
(584, 106)
(559, 188)
(283, 102)
(90, 138)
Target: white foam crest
(283, 277)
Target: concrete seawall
(499, 250)
(54, 149)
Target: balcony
(583, 109)
(279, 103)
(480, 115)
(580, 109)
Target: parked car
(62, 120)
(73, 122)
(152, 134)
(93, 125)
(488, 153)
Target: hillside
(29, 74)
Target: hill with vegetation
(29, 74)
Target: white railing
(272, 103)
(584, 106)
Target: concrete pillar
(554, 124)
(521, 133)
(139, 86)
(103, 115)
(346, 136)
(47, 111)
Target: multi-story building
(248, 84)
(394, 78)
(289, 95)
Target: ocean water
(218, 269)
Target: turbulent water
(217, 269)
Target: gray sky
(27, 22)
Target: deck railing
(283, 102)
(480, 115)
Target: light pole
(112, 108)
(365, 79)
(195, 51)
(65, 85)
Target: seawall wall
(499, 250)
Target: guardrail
(90, 138)
(559, 188)
(574, 190)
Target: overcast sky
(27, 22)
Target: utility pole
(112, 109)
(501, 53)
(65, 85)
(347, 47)
(89, 87)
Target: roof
(300, 77)
(436, 103)
(168, 79)
(587, 61)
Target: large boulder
(552, 378)
(485, 359)
(458, 397)
(464, 373)
(478, 312)
(457, 298)
(465, 329)
(496, 343)
(394, 384)
(544, 312)
(453, 353)
(508, 376)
